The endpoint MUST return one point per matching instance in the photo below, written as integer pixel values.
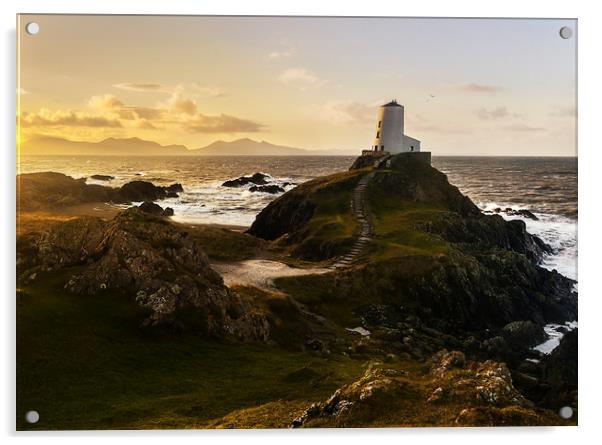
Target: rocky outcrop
(49, 190)
(476, 387)
(290, 212)
(145, 191)
(257, 179)
(272, 189)
(376, 385)
(102, 177)
(147, 259)
(512, 212)
(480, 383)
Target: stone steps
(358, 209)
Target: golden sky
(469, 87)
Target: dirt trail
(260, 273)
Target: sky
(469, 86)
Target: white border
(590, 221)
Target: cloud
(280, 54)
(208, 90)
(523, 128)
(496, 113)
(223, 123)
(179, 104)
(473, 88)
(108, 101)
(564, 112)
(345, 112)
(71, 118)
(300, 78)
(178, 112)
(143, 87)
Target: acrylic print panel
(274, 222)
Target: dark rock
(102, 177)
(49, 190)
(522, 212)
(145, 191)
(257, 179)
(267, 189)
(523, 334)
(151, 208)
(145, 258)
(154, 209)
(175, 188)
(560, 373)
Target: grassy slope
(395, 221)
(85, 363)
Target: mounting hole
(32, 417)
(566, 32)
(32, 28)
(566, 412)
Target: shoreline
(28, 221)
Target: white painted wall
(388, 135)
(410, 144)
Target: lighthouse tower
(389, 131)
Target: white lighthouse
(389, 131)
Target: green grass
(332, 228)
(222, 244)
(396, 224)
(86, 363)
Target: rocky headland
(434, 314)
(51, 190)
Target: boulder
(154, 209)
(523, 334)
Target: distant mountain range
(48, 145)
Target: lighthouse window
(378, 134)
(379, 122)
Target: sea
(545, 186)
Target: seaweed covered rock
(149, 260)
